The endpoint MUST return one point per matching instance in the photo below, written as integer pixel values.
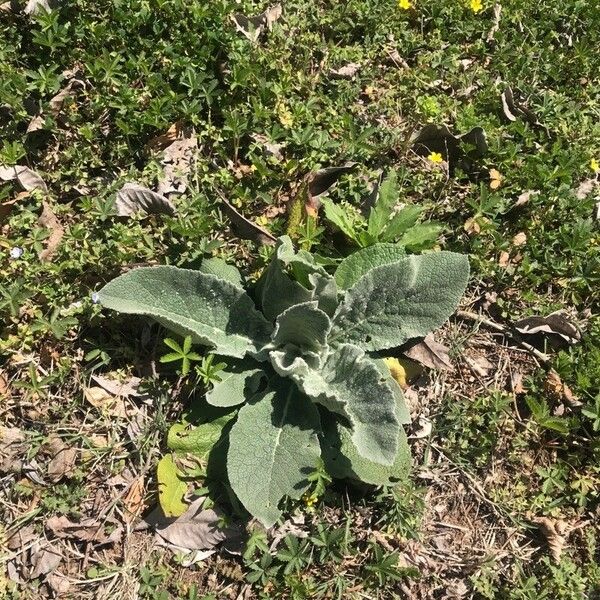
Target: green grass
(146, 64)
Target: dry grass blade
(49, 220)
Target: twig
(476, 318)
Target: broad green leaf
(238, 382)
(399, 301)
(213, 311)
(359, 263)
(222, 270)
(303, 325)
(337, 215)
(349, 384)
(401, 222)
(171, 488)
(387, 197)
(273, 446)
(277, 290)
(343, 461)
(199, 439)
(421, 236)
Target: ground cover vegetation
(251, 143)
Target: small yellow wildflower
(435, 157)
(476, 6)
(404, 4)
(310, 500)
(595, 165)
(285, 115)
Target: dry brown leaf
(133, 198)
(480, 365)
(516, 382)
(495, 179)
(133, 501)
(162, 141)
(431, 354)
(424, 429)
(586, 188)
(472, 226)
(87, 530)
(555, 328)
(44, 560)
(55, 105)
(347, 71)
(560, 391)
(59, 583)
(12, 449)
(196, 529)
(269, 147)
(555, 531)
(101, 399)
(253, 27)
(245, 228)
(520, 239)
(4, 387)
(504, 259)
(28, 179)
(57, 231)
(123, 389)
(177, 162)
(525, 197)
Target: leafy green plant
(181, 353)
(304, 379)
(385, 223)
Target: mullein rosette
(304, 379)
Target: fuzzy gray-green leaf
(399, 301)
(273, 446)
(359, 263)
(214, 312)
(350, 384)
(238, 382)
(303, 325)
(218, 267)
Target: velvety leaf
(171, 488)
(343, 461)
(349, 384)
(222, 270)
(133, 198)
(199, 439)
(213, 311)
(238, 382)
(399, 301)
(353, 267)
(302, 325)
(273, 446)
(402, 412)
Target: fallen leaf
(480, 365)
(195, 529)
(560, 391)
(55, 105)
(555, 531)
(516, 382)
(133, 198)
(269, 148)
(586, 188)
(122, 389)
(12, 449)
(347, 71)
(504, 259)
(520, 239)
(86, 530)
(472, 226)
(177, 162)
(554, 328)
(133, 501)
(245, 228)
(514, 109)
(320, 181)
(17, 539)
(461, 150)
(28, 179)
(99, 398)
(525, 197)
(171, 488)
(59, 583)
(253, 27)
(44, 561)
(495, 24)
(57, 231)
(431, 354)
(162, 141)
(425, 427)
(62, 458)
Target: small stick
(469, 316)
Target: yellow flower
(285, 115)
(310, 500)
(594, 165)
(404, 4)
(435, 157)
(476, 6)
